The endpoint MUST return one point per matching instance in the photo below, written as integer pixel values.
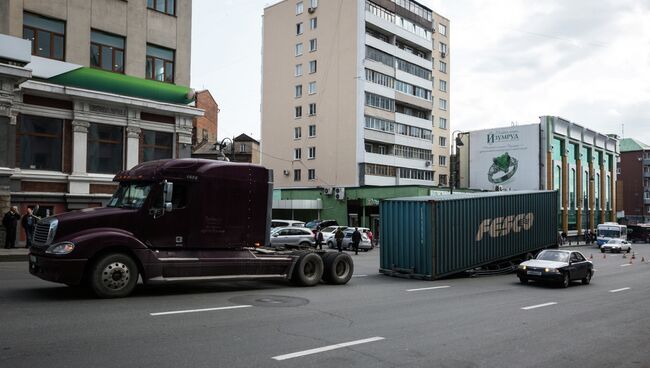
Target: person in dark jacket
(338, 235)
(29, 224)
(10, 222)
(319, 238)
(356, 239)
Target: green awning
(121, 84)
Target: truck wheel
(338, 268)
(113, 276)
(308, 270)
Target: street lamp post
(454, 162)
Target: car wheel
(305, 245)
(566, 280)
(338, 268)
(330, 245)
(629, 249)
(587, 278)
(523, 280)
(308, 270)
(113, 276)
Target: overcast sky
(587, 61)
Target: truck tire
(338, 268)
(308, 270)
(114, 275)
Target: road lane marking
(538, 306)
(200, 310)
(359, 275)
(625, 265)
(621, 289)
(429, 288)
(326, 348)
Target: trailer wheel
(338, 268)
(113, 276)
(308, 270)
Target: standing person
(29, 224)
(369, 235)
(319, 238)
(10, 222)
(338, 235)
(356, 239)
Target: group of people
(27, 221)
(338, 236)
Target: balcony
(391, 160)
(412, 120)
(397, 30)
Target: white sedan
(616, 245)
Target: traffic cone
(591, 256)
(604, 255)
(624, 255)
(631, 261)
(633, 255)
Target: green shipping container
(437, 236)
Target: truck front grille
(44, 231)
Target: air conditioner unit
(339, 193)
(427, 163)
(311, 10)
(443, 54)
(286, 172)
(328, 191)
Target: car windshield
(549, 255)
(312, 224)
(614, 241)
(609, 233)
(130, 195)
(328, 229)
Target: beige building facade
(355, 93)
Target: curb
(14, 258)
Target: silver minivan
(292, 237)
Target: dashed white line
(621, 289)
(625, 265)
(359, 275)
(326, 348)
(538, 306)
(429, 288)
(200, 310)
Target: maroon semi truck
(177, 220)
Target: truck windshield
(130, 195)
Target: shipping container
(437, 236)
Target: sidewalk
(13, 254)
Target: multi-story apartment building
(634, 180)
(354, 93)
(89, 87)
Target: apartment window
(164, 6)
(378, 35)
(411, 68)
(242, 148)
(443, 47)
(442, 123)
(312, 45)
(442, 29)
(299, 8)
(313, 3)
(297, 153)
(299, 49)
(380, 56)
(442, 179)
(297, 133)
(298, 90)
(379, 78)
(442, 103)
(442, 160)
(312, 67)
(442, 66)
(156, 145)
(160, 64)
(40, 142)
(313, 23)
(296, 175)
(312, 153)
(442, 141)
(442, 85)
(312, 88)
(299, 28)
(380, 124)
(107, 51)
(298, 70)
(47, 36)
(380, 102)
(312, 131)
(312, 109)
(297, 112)
(105, 149)
(311, 173)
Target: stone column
(132, 146)
(184, 137)
(79, 146)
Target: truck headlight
(60, 248)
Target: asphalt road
(374, 321)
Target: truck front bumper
(66, 271)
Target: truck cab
(168, 220)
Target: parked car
(328, 235)
(616, 245)
(562, 266)
(286, 223)
(292, 237)
(364, 245)
(320, 223)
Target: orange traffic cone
(631, 261)
(624, 255)
(633, 255)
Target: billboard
(506, 157)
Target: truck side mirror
(168, 190)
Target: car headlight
(551, 270)
(60, 248)
(522, 267)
